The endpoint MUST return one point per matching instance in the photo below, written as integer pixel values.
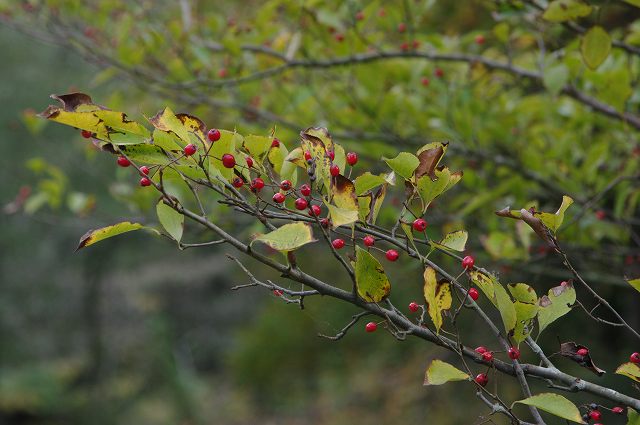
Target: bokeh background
(133, 330)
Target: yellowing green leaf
(635, 3)
(171, 220)
(454, 240)
(288, 237)
(341, 216)
(440, 372)
(596, 45)
(555, 304)
(97, 235)
(635, 283)
(498, 297)
(366, 182)
(404, 164)
(555, 404)
(630, 370)
(257, 146)
(166, 120)
(437, 295)
(633, 417)
(371, 282)
(525, 313)
(523, 293)
(344, 193)
(566, 10)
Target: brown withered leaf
(344, 193)
(429, 160)
(71, 101)
(538, 226)
(570, 351)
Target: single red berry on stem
(337, 243)
(371, 327)
(414, 307)
(86, 134)
(582, 352)
(145, 182)
(144, 170)
(334, 170)
(257, 184)
(402, 27)
(214, 134)
(315, 210)
(601, 215)
(249, 161)
(415, 44)
(190, 149)
(514, 353)
(278, 198)
(482, 379)
(339, 37)
(123, 161)
(487, 356)
(368, 240)
(473, 293)
(305, 190)
(301, 204)
(480, 39)
(595, 415)
(439, 73)
(307, 155)
(237, 182)
(468, 262)
(228, 160)
(359, 16)
(424, 81)
(275, 143)
(481, 349)
(285, 185)
(392, 255)
(222, 72)
(419, 225)
(352, 158)
(331, 155)
(634, 357)
(617, 410)
(324, 222)
(404, 46)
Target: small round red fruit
(277, 292)
(257, 184)
(331, 155)
(301, 204)
(404, 46)
(419, 225)
(222, 72)
(285, 185)
(315, 210)
(144, 170)
(305, 189)
(228, 160)
(123, 161)
(86, 134)
(479, 39)
(334, 170)
(337, 243)
(601, 215)
(324, 222)
(368, 240)
(144, 182)
(468, 262)
(513, 353)
(424, 81)
(487, 356)
(473, 293)
(190, 149)
(371, 327)
(482, 379)
(352, 158)
(392, 255)
(213, 134)
(237, 182)
(617, 410)
(481, 350)
(439, 73)
(275, 143)
(249, 161)
(414, 307)
(307, 155)
(339, 37)
(359, 16)
(582, 352)
(634, 358)
(402, 27)
(595, 415)
(278, 198)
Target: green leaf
(145, 154)
(523, 293)
(633, 417)
(630, 370)
(525, 313)
(566, 10)
(97, 235)
(635, 283)
(344, 193)
(440, 372)
(555, 404)
(498, 296)
(166, 120)
(257, 146)
(555, 78)
(437, 294)
(454, 240)
(404, 164)
(341, 216)
(555, 304)
(288, 237)
(635, 3)
(429, 189)
(366, 182)
(596, 45)
(171, 220)
(371, 282)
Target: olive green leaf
(341, 216)
(437, 294)
(566, 10)
(635, 283)
(555, 404)
(171, 220)
(344, 193)
(498, 297)
(366, 182)
(455, 241)
(440, 372)
(371, 282)
(404, 164)
(288, 237)
(630, 370)
(555, 304)
(633, 417)
(97, 235)
(523, 293)
(595, 47)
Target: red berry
(277, 292)
(514, 353)
(582, 352)
(307, 155)
(439, 73)
(482, 379)
(352, 158)
(190, 149)
(382, 13)
(222, 73)
(86, 134)
(359, 16)
(564, 283)
(414, 307)
(368, 240)
(337, 243)
(424, 81)
(487, 356)
(331, 155)
(402, 27)
(392, 255)
(404, 46)
(257, 184)
(415, 44)
(305, 190)
(144, 170)
(468, 262)
(419, 225)
(595, 415)
(275, 143)
(249, 161)
(285, 185)
(617, 410)
(481, 350)
(479, 39)
(371, 327)
(601, 215)
(237, 182)
(339, 37)
(214, 134)
(473, 293)
(324, 222)
(278, 198)
(228, 160)
(635, 357)
(145, 181)
(315, 210)
(334, 170)
(123, 161)
(301, 204)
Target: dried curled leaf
(570, 351)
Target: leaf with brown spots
(344, 193)
(437, 294)
(429, 156)
(371, 282)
